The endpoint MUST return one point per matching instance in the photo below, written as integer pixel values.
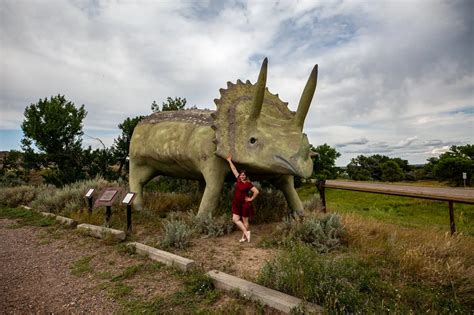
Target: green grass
(82, 266)
(406, 211)
(25, 217)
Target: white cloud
(393, 72)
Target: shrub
(176, 234)
(22, 195)
(323, 234)
(270, 206)
(68, 198)
(312, 204)
(212, 226)
(162, 202)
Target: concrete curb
(275, 299)
(67, 221)
(167, 258)
(101, 232)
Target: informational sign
(128, 198)
(107, 197)
(89, 193)
(464, 175)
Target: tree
(450, 165)
(98, 162)
(370, 167)
(176, 103)
(122, 143)
(54, 127)
(391, 171)
(324, 163)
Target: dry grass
(422, 254)
(163, 202)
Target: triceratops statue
(264, 137)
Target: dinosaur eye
(253, 140)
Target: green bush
(324, 235)
(176, 234)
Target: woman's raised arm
(232, 166)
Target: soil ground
(56, 270)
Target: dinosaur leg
(286, 184)
(214, 176)
(139, 176)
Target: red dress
(239, 205)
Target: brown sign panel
(107, 197)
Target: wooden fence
(451, 195)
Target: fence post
(451, 217)
(320, 185)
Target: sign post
(464, 177)
(128, 201)
(89, 197)
(107, 199)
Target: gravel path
(35, 275)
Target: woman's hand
(229, 157)
(248, 199)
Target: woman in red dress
(242, 204)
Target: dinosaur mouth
(284, 162)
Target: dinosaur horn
(259, 92)
(306, 98)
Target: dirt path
(57, 270)
(35, 274)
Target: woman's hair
(245, 172)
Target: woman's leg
(247, 227)
(246, 223)
(240, 224)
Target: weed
(119, 290)
(155, 306)
(82, 266)
(128, 273)
(126, 249)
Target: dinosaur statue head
(259, 130)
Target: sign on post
(89, 193)
(106, 199)
(128, 198)
(128, 201)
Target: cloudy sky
(395, 77)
